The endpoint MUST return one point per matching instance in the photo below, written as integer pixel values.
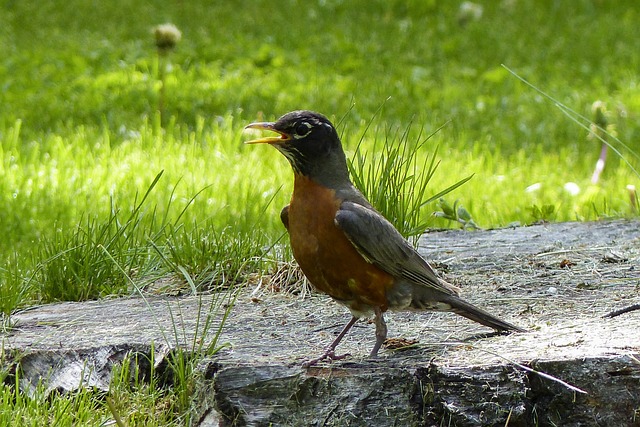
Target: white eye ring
(301, 130)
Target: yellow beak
(269, 139)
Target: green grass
(100, 196)
(142, 391)
(398, 166)
(134, 398)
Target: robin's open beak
(269, 139)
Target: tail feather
(465, 309)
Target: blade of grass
(582, 121)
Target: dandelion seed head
(167, 36)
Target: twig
(616, 313)
(573, 250)
(506, 423)
(542, 374)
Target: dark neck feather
(329, 170)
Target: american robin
(346, 248)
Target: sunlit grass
(199, 203)
(155, 202)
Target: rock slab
(556, 280)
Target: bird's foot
(329, 354)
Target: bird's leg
(381, 331)
(329, 352)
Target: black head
(310, 143)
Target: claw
(328, 354)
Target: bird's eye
(302, 129)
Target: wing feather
(378, 241)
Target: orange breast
(326, 256)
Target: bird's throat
(331, 173)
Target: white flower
(469, 11)
(533, 188)
(572, 188)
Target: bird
(344, 246)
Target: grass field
(99, 190)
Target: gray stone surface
(556, 280)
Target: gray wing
(378, 241)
